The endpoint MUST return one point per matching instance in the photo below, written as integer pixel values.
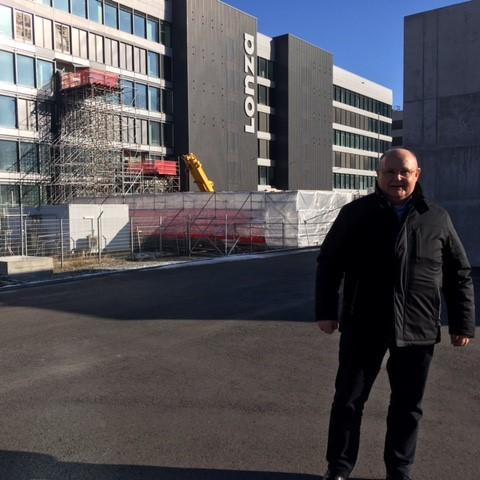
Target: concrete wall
(303, 150)
(442, 111)
(210, 91)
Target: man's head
(398, 173)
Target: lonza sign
(249, 45)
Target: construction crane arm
(198, 173)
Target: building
(362, 129)
(101, 97)
(441, 116)
(397, 128)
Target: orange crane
(198, 173)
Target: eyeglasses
(395, 173)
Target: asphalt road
(200, 372)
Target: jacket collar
(417, 198)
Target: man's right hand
(328, 326)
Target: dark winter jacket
(393, 272)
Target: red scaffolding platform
(159, 167)
(89, 77)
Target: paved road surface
(200, 372)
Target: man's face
(397, 176)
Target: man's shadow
(36, 466)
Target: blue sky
(364, 36)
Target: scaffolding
(92, 153)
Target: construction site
(106, 196)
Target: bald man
(395, 252)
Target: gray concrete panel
(441, 111)
(413, 77)
(215, 92)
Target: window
(127, 90)
(25, 71)
(6, 67)
(153, 64)
(166, 68)
(263, 95)
(167, 101)
(28, 157)
(61, 5)
(48, 3)
(265, 68)
(44, 74)
(263, 149)
(79, 43)
(8, 118)
(167, 135)
(23, 27)
(95, 47)
(140, 60)
(8, 194)
(31, 195)
(166, 34)
(79, 8)
(62, 38)
(152, 30)
(6, 29)
(27, 119)
(125, 20)
(111, 52)
(111, 15)
(154, 99)
(263, 122)
(154, 133)
(95, 10)
(8, 156)
(141, 96)
(126, 56)
(139, 25)
(43, 33)
(265, 175)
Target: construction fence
(174, 225)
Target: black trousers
(360, 360)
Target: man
(395, 253)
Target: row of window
(265, 68)
(111, 52)
(355, 120)
(83, 44)
(265, 175)
(146, 132)
(31, 195)
(351, 160)
(352, 140)
(353, 182)
(25, 71)
(354, 99)
(117, 16)
(146, 97)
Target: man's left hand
(459, 340)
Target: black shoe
(398, 477)
(333, 476)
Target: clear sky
(364, 36)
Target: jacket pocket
(422, 314)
